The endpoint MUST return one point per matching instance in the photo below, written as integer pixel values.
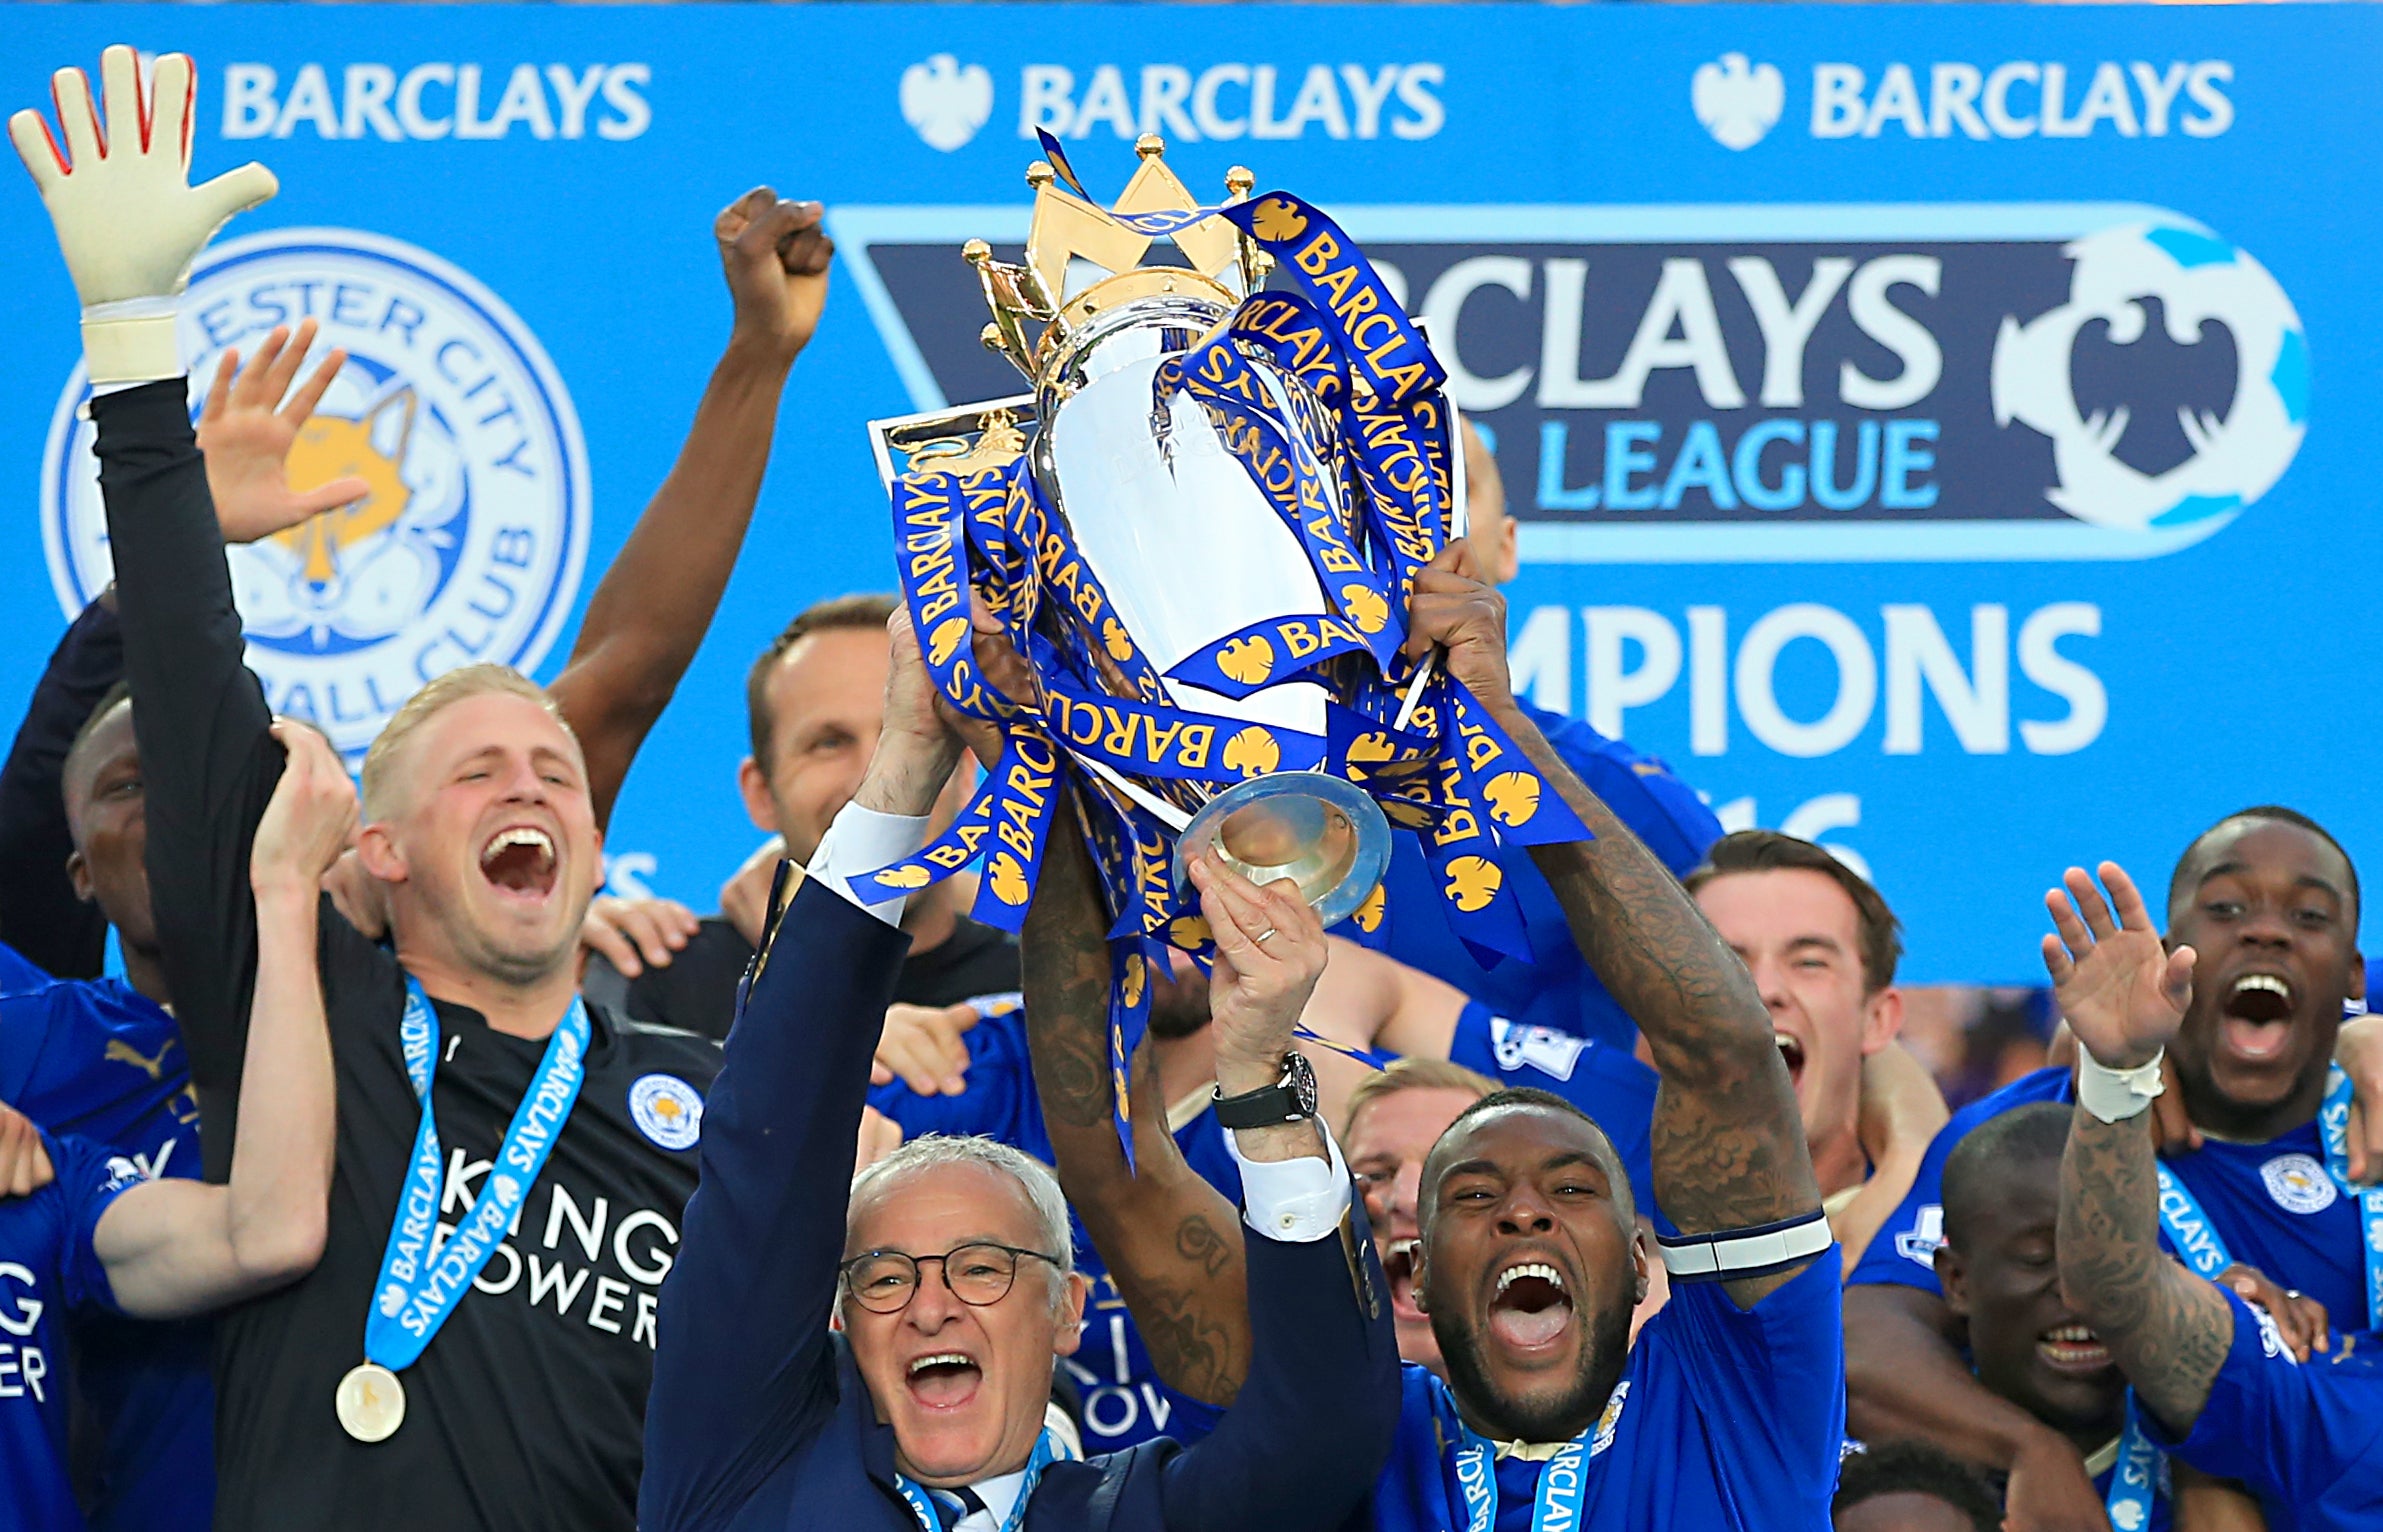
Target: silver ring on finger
(1265, 935)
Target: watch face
(1300, 1076)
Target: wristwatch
(1289, 1099)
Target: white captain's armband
(1736, 1253)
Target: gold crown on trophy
(1067, 227)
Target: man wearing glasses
(882, 1359)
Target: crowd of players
(400, 1180)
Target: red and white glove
(129, 222)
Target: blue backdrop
(1938, 429)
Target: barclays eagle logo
(946, 103)
(2174, 382)
(1736, 102)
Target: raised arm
(1172, 1242)
(648, 617)
(2125, 996)
(1312, 1420)
(1728, 1143)
(245, 432)
(174, 1247)
(743, 1376)
(129, 225)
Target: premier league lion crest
(470, 543)
(2236, 378)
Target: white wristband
(2114, 1095)
(132, 341)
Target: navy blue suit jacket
(759, 1420)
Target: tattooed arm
(2168, 1329)
(1728, 1142)
(2125, 995)
(1171, 1241)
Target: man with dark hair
(1822, 947)
(2271, 905)
(2215, 1384)
(1997, 1265)
(1727, 1410)
(1170, 1378)
(814, 702)
(1912, 1487)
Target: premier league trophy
(1200, 528)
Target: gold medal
(370, 1402)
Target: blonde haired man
(511, 1166)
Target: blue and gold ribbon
(1268, 652)
(1174, 743)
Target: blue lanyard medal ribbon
(1563, 1481)
(2333, 1126)
(922, 1502)
(2134, 1479)
(419, 1285)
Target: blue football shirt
(2272, 1204)
(99, 1060)
(1725, 1420)
(1557, 989)
(48, 1271)
(2307, 1440)
(16, 972)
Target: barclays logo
(945, 103)
(470, 542)
(1764, 383)
(1737, 103)
(2232, 434)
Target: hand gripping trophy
(1200, 529)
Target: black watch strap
(1289, 1099)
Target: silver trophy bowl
(1189, 551)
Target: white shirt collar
(1000, 1496)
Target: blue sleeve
(744, 1372)
(1903, 1253)
(17, 971)
(91, 1181)
(999, 1103)
(1769, 1384)
(40, 916)
(24, 1029)
(2295, 1434)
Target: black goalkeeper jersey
(526, 1411)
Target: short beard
(1559, 1419)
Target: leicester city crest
(468, 546)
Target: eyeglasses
(884, 1281)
